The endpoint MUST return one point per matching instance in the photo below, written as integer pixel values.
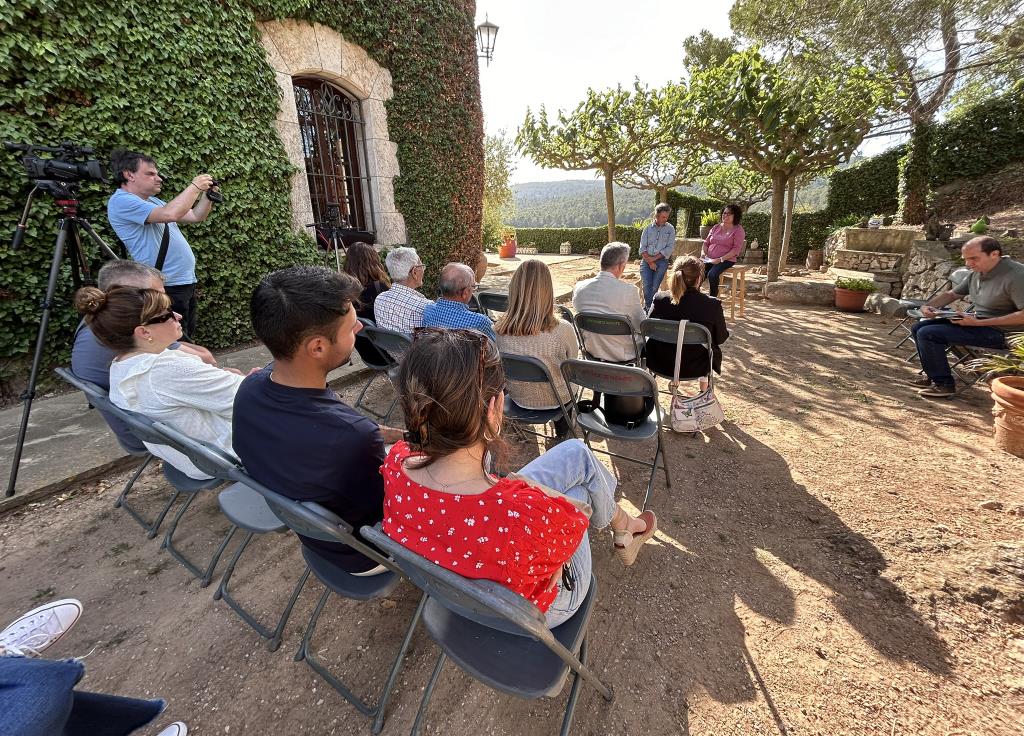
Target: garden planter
(507, 249)
(1008, 410)
(848, 300)
(814, 258)
(705, 230)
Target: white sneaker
(175, 729)
(40, 628)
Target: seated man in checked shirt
(450, 310)
(400, 308)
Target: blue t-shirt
(456, 315)
(127, 214)
(308, 445)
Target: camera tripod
(68, 240)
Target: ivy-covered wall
(190, 85)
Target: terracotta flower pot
(507, 249)
(1008, 410)
(848, 300)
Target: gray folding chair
(141, 427)
(955, 278)
(492, 301)
(565, 313)
(495, 635)
(605, 324)
(608, 378)
(389, 343)
(314, 521)
(531, 370)
(246, 509)
(667, 331)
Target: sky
(548, 52)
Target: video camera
(69, 166)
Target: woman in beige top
(531, 327)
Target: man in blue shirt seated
(90, 360)
(290, 430)
(450, 310)
(140, 220)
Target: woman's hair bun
(89, 300)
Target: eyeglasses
(160, 318)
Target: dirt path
(825, 567)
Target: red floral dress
(512, 533)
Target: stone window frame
(299, 49)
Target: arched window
(333, 145)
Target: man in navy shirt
(290, 430)
(139, 218)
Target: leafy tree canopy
(499, 205)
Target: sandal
(627, 545)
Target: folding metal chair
(314, 521)
(605, 324)
(667, 331)
(389, 343)
(565, 313)
(955, 278)
(246, 509)
(496, 636)
(608, 378)
(141, 428)
(492, 301)
(531, 370)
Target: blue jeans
(934, 336)
(652, 279)
(714, 273)
(570, 467)
(37, 698)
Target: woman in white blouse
(531, 327)
(171, 386)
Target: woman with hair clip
(531, 327)
(684, 300)
(527, 531)
(170, 386)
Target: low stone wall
(859, 260)
(882, 239)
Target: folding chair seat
(492, 301)
(388, 343)
(247, 510)
(606, 324)
(314, 521)
(531, 370)
(914, 305)
(667, 331)
(608, 378)
(495, 635)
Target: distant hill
(580, 203)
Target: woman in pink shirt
(723, 245)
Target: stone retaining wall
(930, 262)
(858, 260)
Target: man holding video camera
(148, 226)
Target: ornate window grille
(334, 147)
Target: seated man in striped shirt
(450, 310)
(400, 308)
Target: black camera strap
(161, 256)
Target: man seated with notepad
(996, 288)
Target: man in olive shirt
(996, 288)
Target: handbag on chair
(693, 413)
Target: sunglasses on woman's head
(160, 318)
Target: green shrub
(844, 222)
(709, 218)
(809, 231)
(866, 187)
(583, 239)
(855, 284)
(690, 205)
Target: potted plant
(508, 247)
(852, 293)
(1007, 384)
(708, 219)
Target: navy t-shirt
(308, 445)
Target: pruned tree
(499, 205)
(783, 119)
(610, 131)
(706, 50)
(920, 47)
(731, 182)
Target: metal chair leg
(427, 694)
(222, 593)
(574, 693)
(206, 575)
(150, 527)
(366, 387)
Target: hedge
(868, 187)
(809, 231)
(583, 239)
(693, 205)
(192, 87)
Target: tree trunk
(788, 237)
(914, 173)
(609, 199)
(662, 194)
(775, 230)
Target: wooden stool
(736, 273)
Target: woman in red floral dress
(527, 531)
